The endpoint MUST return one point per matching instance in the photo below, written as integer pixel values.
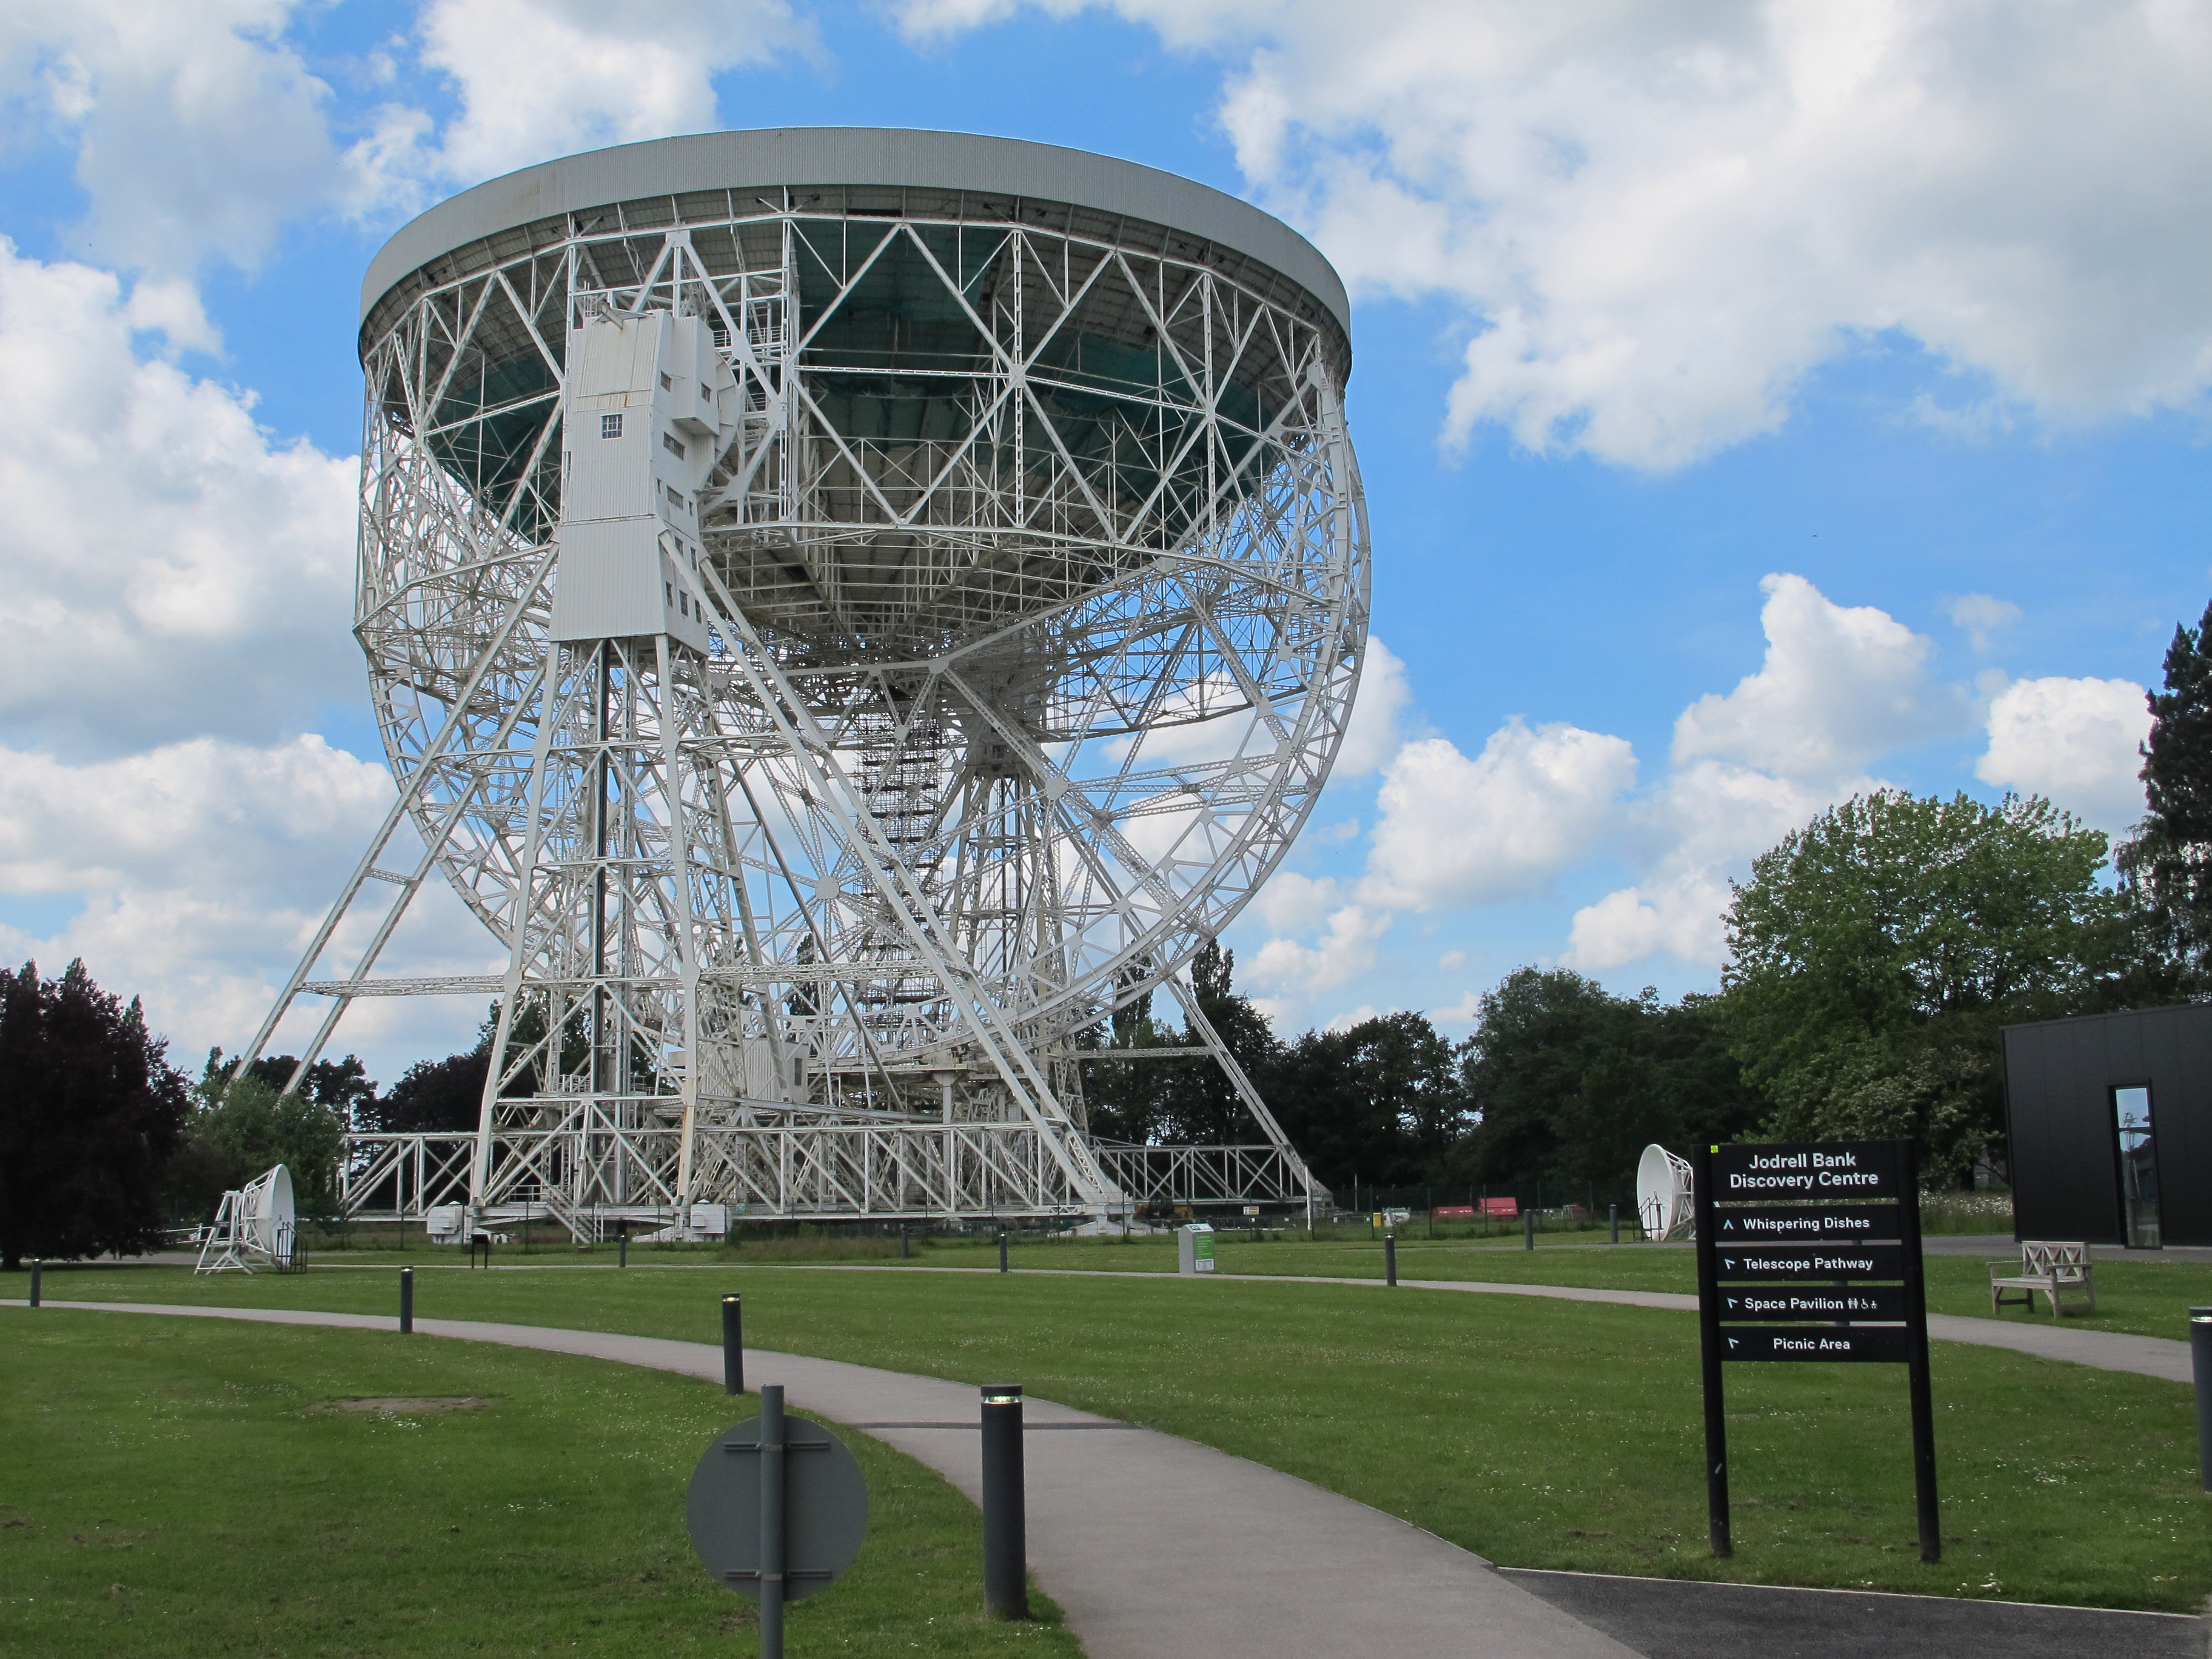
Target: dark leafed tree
(1875, 953)
(1571, 1083)
(1380, 1100)
(432, 1096)
(90, 1111)
(2167, 866)
(1125, 1100)
(1199, 1103)
(341, 1085)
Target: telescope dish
(270, 1212)
(1664, 1188)
(255, 1222)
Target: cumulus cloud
(1839, 686)
(1343, 953)
(1659, 219)
(1460, 831)
(2076, 741)
(198, 129)
(542, 78)
(171, 568)
(201, 869)
(1371, 735)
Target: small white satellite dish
(258, 1220)
(1664, 1188)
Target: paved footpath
(1272, 1567)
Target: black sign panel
(1811, 1223)
(1828, 1169)
(1882, 1344)
(1768, 1264)
(1803, 1302)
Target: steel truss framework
(1034, 573)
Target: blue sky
(1756, 403)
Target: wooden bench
(2053, 1268)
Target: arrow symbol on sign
(1731, 1342)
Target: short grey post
(733, 1348)
(621, 1245)
(906, 1243)
(406, 1302)
(1528, 1230)
(1002, 1250)
(2200, 1356)
(38, 1275)
(1613, 1221)
(771, 1529)
(1006, 1526)
(1390, 1258)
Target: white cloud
(542, 78)
(170, 568)
(1839, 686)
(1658, 219)
(2073, 741)
(198, 129)
(1981, 615)
(1460, 831)
(1344, 953)
(1371, 735)
(1452, 960)
(202, 868)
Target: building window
(611, 426)
(2139, 1227)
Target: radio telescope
(847, 609)
(1665, 1185)
(256, 1223)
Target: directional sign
(1809, 1223)
(1804, 1302)
(1830, 1170)
(1764, 1264)
(1886, 1345)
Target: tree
(1198, 1101)
(1571, 1083)
(90, 1111)
(1379, 1102)
(241, 1126)
(341, 1085)
(432, 1096)
(1875, 953)
(2167, 866)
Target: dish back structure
(848, 609)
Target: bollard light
(1390, 1258)
(2200, 1356)
(1005, 1542)
(733, 1346)
(406, 1301)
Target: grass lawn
(1537, 1433)
(179, 1486)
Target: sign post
(1816, 1232)
(776, 1510)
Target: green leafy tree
(240, 1127)
(1127, 1100)
(1873, 954)
(1198, 1101)
(90, 1111)
(2167, 866)
(1571, 1083)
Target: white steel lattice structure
(846, 610)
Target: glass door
(2138, 1169)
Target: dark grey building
(2109, 1118)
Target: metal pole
(2200, 1357)
(1709, 1355)
(1612, 1220)
(406, 1302)
(1002, 1250)
(1390, 1258)
(906, 1244)
(621, 1245)
(1916, 1369)
(733, 1347)
(1005, 1542)
(771, 1532)
(38, 1274)
(1528, 1230)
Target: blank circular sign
(825, 1507)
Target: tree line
(1872, 957)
